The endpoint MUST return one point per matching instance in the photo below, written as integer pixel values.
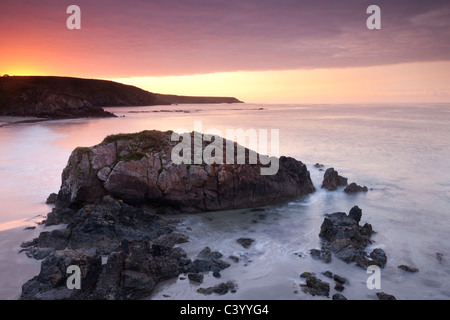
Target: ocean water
(399, 151)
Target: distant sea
(399, 151)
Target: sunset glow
(294, 52)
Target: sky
(259, 51)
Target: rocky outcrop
(332, 179)
(353, 188)
(63, 97)
(343, 236)
(123, 253)
(138, 169)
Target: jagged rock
(408, 268)
(245, 242)
(324, 255)
(342, 235)
(138, 169)
(137, 243)
(331, 180)
(316, 287)
(208, 260)
(353, 187)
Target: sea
(399, 151)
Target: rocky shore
(110, 200)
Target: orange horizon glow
(402, 83)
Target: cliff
(63, 97)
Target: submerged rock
(245, 242)
(408, 268)
(332, 179)
(138, 168)
(353, 187)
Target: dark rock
(140, 254)
(339, 287)
(385, 296)
(440, 257)
(379, 257)
(343, 236)
(234, 258)
(51, 198)
(338, 296)
(408, 268)
(220, 289)
(355, 213)
(138, 168)
(339, 279)
(208, 260)
(245, 242)
(30, 228)
(331, 180)
(306, 275)
(318, 165)
(196, 277)
(324, 255)
(353, 187)
(316, 287)
(328, 274)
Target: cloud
(176, 37)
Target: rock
(306, 275)
(353, 187)
(234, 258)
(331, 180)
(136, 242)
(138, 169)
(408, 268)
(324, 255)
(339, 287)
(343, 236)
(316, 287)
(338, 296)
(318, 165)
(220, 289)
(339, 279)
(51, 198)
(208, 260)
(245, 242)
(328, 274)
(30, 228)
(440, 257)
(379, 257)
(196, 277)
(385, 296)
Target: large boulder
(138, 169)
